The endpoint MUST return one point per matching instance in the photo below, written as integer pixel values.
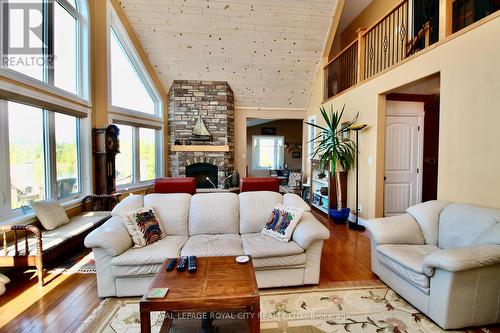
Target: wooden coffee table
(219, 284)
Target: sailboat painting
(200, 131)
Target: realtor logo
(24, 33)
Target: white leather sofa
(212, 224)
(444, 259)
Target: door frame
(380, 143)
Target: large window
(136, 108)
(129, 74)
(41, 150)
(124, 79)
(268, 152)
(47, 42)
(67, 155)
(137, 161)
(26, 154)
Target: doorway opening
(411, 145)
(274, 148)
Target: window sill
(30, 218)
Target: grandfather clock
(105, 145)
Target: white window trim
(159, 163)
(41, 99)
(117, 26)
(255, 166)
(311, 130)
(83, 72)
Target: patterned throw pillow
(144, 227)
(282, 222)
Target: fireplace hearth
(202, 171)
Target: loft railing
(385, 43)
(342, 71)
(381, 46)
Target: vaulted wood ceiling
(268, 50)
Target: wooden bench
(32, 246)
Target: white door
(403, 163)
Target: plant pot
(340, 216)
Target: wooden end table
(219, 284)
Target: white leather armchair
(444, 259)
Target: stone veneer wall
(214, 102)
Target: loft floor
(67, 300)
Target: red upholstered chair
(260, 184)
(175, 185)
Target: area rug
(369, 309)
(83, 263)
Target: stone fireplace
(213, 103)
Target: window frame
(9, 215)
(83, 74)
(117, 119)
(255, 162)
(115, 25)
(311, 134)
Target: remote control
(182, 264)
(192, 264)
(171, 264)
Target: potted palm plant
(336, 152)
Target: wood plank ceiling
(268, 50)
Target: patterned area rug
(369, 309)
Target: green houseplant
(335, 151)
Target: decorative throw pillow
(143, 226)
(282, 222)
(50, 214)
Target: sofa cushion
(128, 204)
(255, 209)
(282, 222)
(262, 246)
(297, 260)
(156, 253)
(293, 200)
(172, 211)
(490, 235)
(427, 216)
(50, 214)
(143, 226)
(77, 225)
(213, 245)
(213, 213)
(406, 261)
(460, 224)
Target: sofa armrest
(112, 236)
(400, 229)
(462, 258)
(309, 230)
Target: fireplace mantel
(202, 148)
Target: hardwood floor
(67, 300)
